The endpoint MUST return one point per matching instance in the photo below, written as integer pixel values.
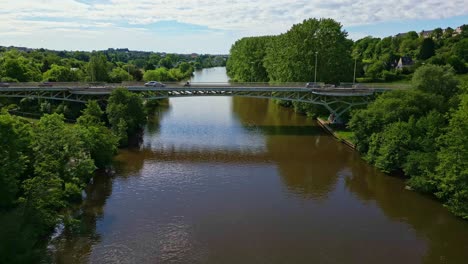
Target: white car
(155, 84)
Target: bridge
(337, 100)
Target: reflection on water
(240, 180)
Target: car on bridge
(155, 84)
(4, 84)
(46, 84)
(313, 85)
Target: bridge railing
(385, 86)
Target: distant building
(457, 31)
(426, 33)
(401, 35)
(404, 62)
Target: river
(242, 180)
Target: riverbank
(343, 136)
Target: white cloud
(239, 17)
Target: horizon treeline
(112, 65)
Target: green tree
(14, 156)
(389, 148)
(119, 75)
(421, 160)
(160, 74)
(389, 108)
(97, 68)
(20, 69)
(461, 49)
(125, 107)
(246, 59)
(436, 79)
(452, 172)
(99, 141)
(427, 49)
(60, 152)
(61, 74)
(291, 56)
(166, 63)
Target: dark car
(4, 84)
(45, 84)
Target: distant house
(457, 31)
(404, 62)
(401, 35)
(426, 33)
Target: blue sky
(205, 26)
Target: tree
(99, 141)
(389, 148)
(246, 60)
(160, 74)
(427, 49)
(60, 155)
(421, 160)
(291, 56)
(60, 74)
(14, 156)
(21, 69)
(436, 79)
(125, 110)
(119, 75)
(97, 68)
(166, 63)
(389, 108)
(452, 172)
(461, 49)
(457, 64)
(185, 67)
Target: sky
(205, 26)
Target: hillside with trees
(112, 65)
(378, 59)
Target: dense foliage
(290, 57)
(45, 166)
(422, 133)
(34, 65)
(378, 58)
(126, 114)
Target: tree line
(116, 66)
(293, 56)
(47, 164)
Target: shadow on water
(314, 173)
(446, 235)
(91, 210)
(285, 130)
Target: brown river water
(242, 180)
